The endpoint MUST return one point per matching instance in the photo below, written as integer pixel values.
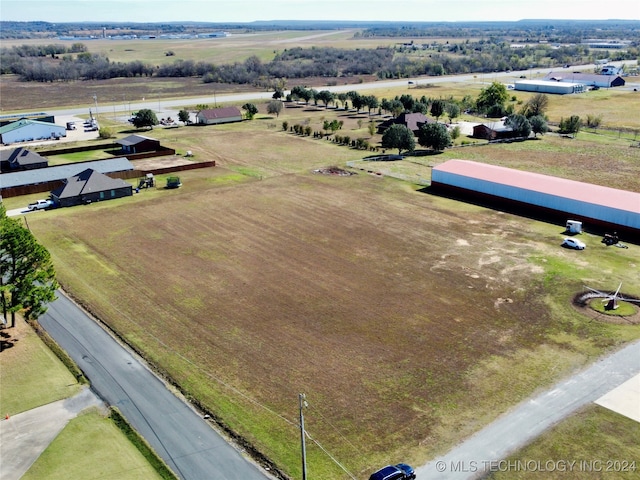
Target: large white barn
(594, 205)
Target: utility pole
(303, 404)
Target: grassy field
(91, 446)
(608, 449)
(23, 360)
(408, 320)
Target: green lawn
(91, 446)
(30, 374)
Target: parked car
(40, 205)
(409, 472)
(401, 471)
(573, 243)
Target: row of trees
(44, 63)
(27, 276)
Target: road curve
(187, 443)
(479, 454)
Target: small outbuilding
(493, 131)
(138, 144)
(214, 116)
(29, 130)
(90, 186)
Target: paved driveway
(23, 437)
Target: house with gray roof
(413, 121)
(90, 186)
(21, 159)
(45, 179)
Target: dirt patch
(341, 172)
(156, 163)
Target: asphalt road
(187, 443)
(480, 454)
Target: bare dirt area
(157, 163)
(374, 301)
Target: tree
(536, 105)
(400, 137)
(274, 106)
(27, 276)
(356, 100)
(183, 115)
(434, 135)
(145, 118)
(570, 126)
(437, 108)
(492, 98)
(453, 111)
(371, 102)
(251, 110)
(538, 125)
(326, 97)
(519, 124)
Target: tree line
(50, 63)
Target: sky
(59, 11)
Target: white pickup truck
(40, 205)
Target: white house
(28, 130)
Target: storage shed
(593, 205)
(30, 130)
(549, 86)
(493, 131)
(138, 144)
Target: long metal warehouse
(601, 206)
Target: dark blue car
(401, 471)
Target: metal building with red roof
(594, 204)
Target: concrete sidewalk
(23, 437)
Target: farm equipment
(610, 239)
(173, 182)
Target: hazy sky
(250, 10)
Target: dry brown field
(408, 320)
